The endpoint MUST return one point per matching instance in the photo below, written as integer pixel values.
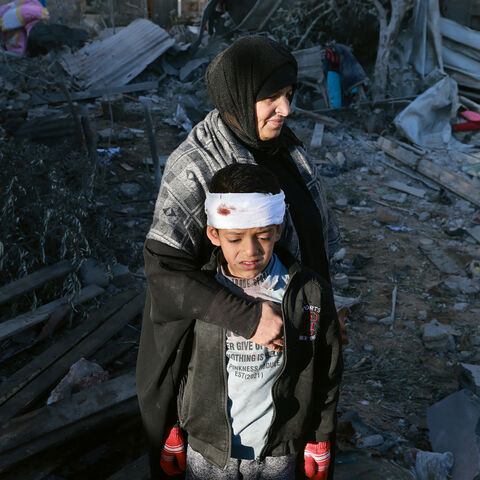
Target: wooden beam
(27, 284)
(30, 319)
(43, 361)
(54, 424)
(137, 470)
(451, 181)
(329, 121)
(85, 95)
(21, 400)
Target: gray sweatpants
(271, 468)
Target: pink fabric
(31, 12)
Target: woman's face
(271, 112)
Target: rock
(395, 197)
(454, 425)
(433, 465)
(92, 273)
(130, 189)
(371, 441)
(437, 337)
(340, 254)
(386, 320)
(386, 216)
(460, 307)
(424, 216)
(371, 319)
(330, 140)
(341, 203)
(369, 348)
(422, 315)
(458, 284)
(82, 374)
(469, 377)
(23, 97)
(340, 280)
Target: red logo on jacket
(311, 318)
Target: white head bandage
(244, 210)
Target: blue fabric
(334, 89)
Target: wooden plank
(329, 121)
(451, 181)
(317, 135)
(441, 260)
(21, 400)
(41, 362)
(417, 192)
(55, 424)
(399, 153)
(134, 87)
(65, 412)
(109, 416)
(137, 470)
(34, 280)
(30, 319)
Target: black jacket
(305, 393)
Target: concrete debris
(454, 426)
(386, 216)
(469, 377)
(371, 441)
(433, 465)
(93, 273)
(82, 375)
(458, 285)
(437, 337)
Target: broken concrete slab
(437, 337)
(454, 426)
(469, 377)
(440, 258)
(120, 58)
(458, 284)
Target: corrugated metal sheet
(119, 58)
(310, 63)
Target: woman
(251, 85)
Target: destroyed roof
(120, 58)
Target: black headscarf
(249, 70)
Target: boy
(249, 411)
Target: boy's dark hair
(244, 178)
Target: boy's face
(247, 251)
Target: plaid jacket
(179, 218)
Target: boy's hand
(174, 459)
(269, 332)
(317, 460)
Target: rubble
(405, 279)
(453, 427)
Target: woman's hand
(269, 332)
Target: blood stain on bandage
(224, 210)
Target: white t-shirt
(252, 368)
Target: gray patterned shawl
(179, 219)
